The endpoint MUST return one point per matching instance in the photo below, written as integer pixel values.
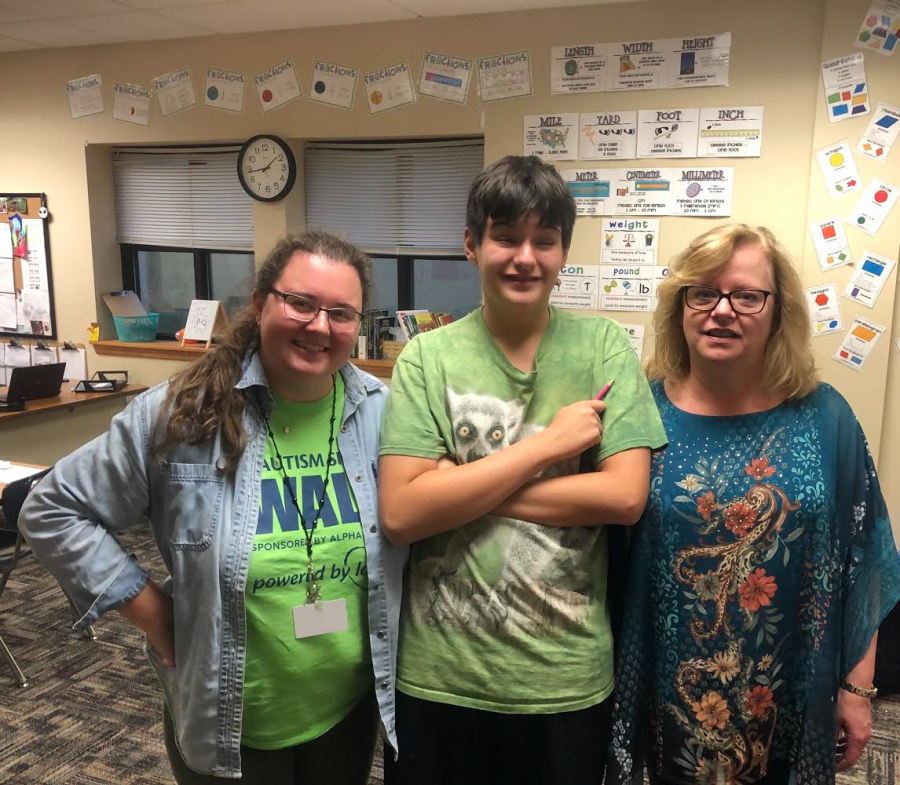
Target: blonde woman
(765, 561)
(275, 635)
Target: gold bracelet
(863, 692)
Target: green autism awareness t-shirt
(296, 690)
(504, 614)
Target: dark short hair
(515, 187)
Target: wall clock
(266, 168)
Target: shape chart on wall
(881, 132)
(858, 343)
(873, 206)
(830, 242)
(838, 167)
(846, 87)
(880, 28)
(824, 309)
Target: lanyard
(313, 592)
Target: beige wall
(773, 63)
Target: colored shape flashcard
(389, 88)
(578, 69)
(703, 193)
(846, 88)
(667, 133)
(881, 133)
(730, 132)
(869, 279)
(858, 343)
(131, 103)
(824, 309)
(333, 84)
(880, 28)
(553, 136)
(591, 189)
(504, 76)
(224, 90)
(838, 167)
(629, 241)
(277, 85)
(873, 206)
(608, 135)
(445, 77)
(830, 242)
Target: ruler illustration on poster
(642, 192)
(608, 135)
(591, 189)
(730, 132)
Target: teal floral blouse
(764, 564)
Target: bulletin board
(26, 275)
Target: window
(405, 204)
(185, 227)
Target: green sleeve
(631, 419)
(409, 425)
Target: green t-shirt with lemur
(504, 614)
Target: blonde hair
(789, 369)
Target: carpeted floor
(92, 712)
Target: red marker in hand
(602, 394)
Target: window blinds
(405, 198)
(181, 198)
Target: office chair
(11, 501)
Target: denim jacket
(204, 522)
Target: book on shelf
(379, 332)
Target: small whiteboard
(203, 318)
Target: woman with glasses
(275, 634)
(765, 561)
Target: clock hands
(264, 168)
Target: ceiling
(43, 24)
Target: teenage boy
(492, 468)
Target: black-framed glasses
(705, 298)
(302, 309)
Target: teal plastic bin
(137, 329)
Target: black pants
(342, 755)
(448, 745)
(777, 773)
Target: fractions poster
(730, 132)
(445, 77)
(389, 88)
(703, 192)
(608, 135)
(629, 241)
(642, 191)
(553, 136)
(869, 279)
(224, 90)
(824, 309)
(858, 342)
(667, 133)
(873, 206)
(838, 168)
(578, 69)
(846, 88)
(699, 62)
(830, 242)
(131, 103)
(504, 76)
(880, 28)
(277, 85)
(591, 189)
(175, 91)
(333, 84)
(85, 96)
(881, 133)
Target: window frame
(202, 270)
(406, 274)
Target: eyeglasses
(705, 298)
(302, 309)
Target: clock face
(266, 168)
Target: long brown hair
(202, 400)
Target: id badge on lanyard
(320, 618)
